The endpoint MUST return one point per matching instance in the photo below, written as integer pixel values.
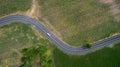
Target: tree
(36, 56)
(88, 45)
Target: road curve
(64, 47)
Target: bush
(36, 56)
(88, 46)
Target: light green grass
(11, 6)
(107, 57)
(13, 38)
(79, 21)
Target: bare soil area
(35, 10)
(115, 10)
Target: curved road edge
(64, 47)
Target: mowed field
(79, 21)
(11, 6)
(107, 57)
(13, 38)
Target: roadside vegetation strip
(62, 46)
(107, 57)
(79, 21)
(15, 37)
(12, 6)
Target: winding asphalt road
(64, 47)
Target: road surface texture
(64, 47)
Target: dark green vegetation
(107, 57)
(11, 6)
(79, 21)
(36, 56)
(15, 37)
(88, 46)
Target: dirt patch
(107, 1)
(35, 10)
(114, 8)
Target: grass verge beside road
(106, 57)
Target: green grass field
(11, 6)
(13, 38)
(79, 21)
(107, 57)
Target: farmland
(107, 57)
(79, 21)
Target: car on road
(48, 34)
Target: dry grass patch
(15, 36)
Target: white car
(48, 34)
